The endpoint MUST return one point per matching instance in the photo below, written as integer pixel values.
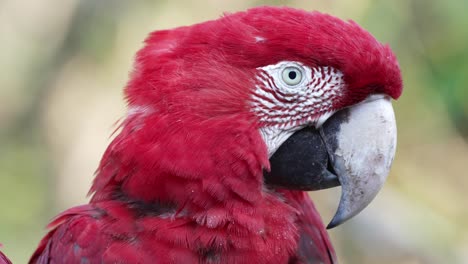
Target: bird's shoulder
(92, 233)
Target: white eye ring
(292, 75)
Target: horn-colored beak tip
(363, 142)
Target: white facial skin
(290, 96)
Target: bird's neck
(196, 166)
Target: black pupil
(292, 75)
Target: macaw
(229, 123)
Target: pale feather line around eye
(270, 87)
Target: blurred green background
(64, 62)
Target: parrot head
(253, 102)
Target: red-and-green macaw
(229, 122)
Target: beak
(354, 148)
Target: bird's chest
(186, 241)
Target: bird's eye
(292, 75)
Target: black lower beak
(302, 162)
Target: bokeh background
(63, 64)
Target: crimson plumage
(182, 182)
